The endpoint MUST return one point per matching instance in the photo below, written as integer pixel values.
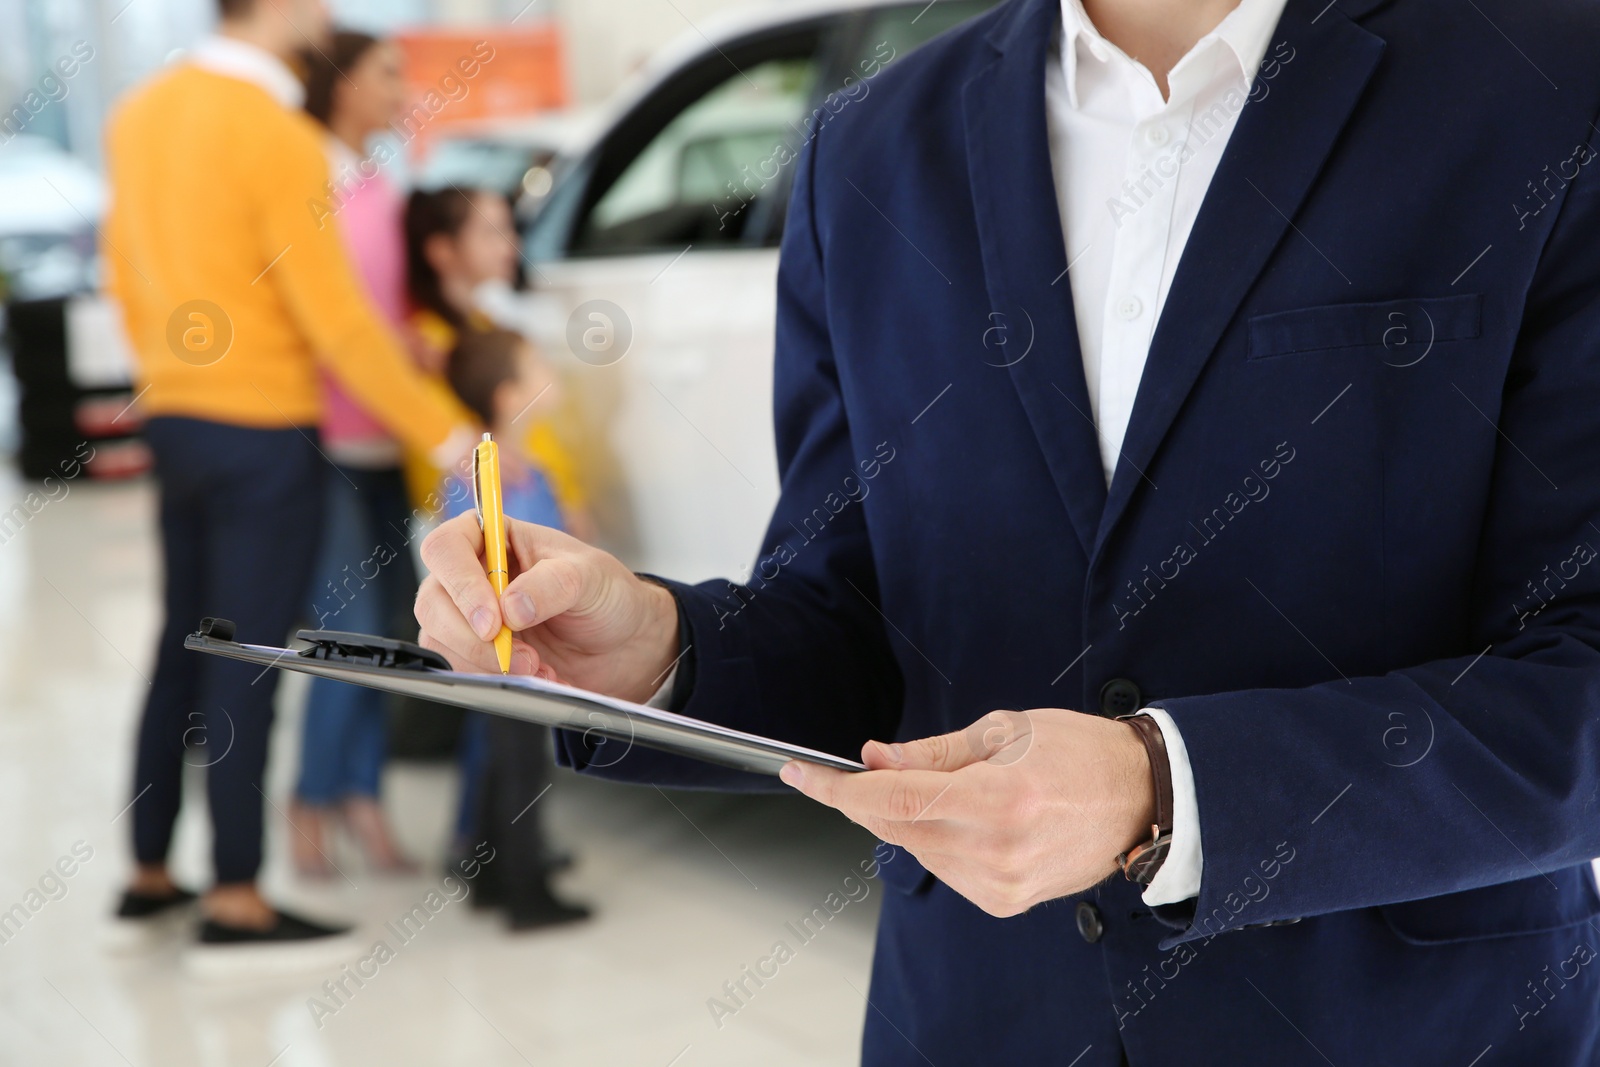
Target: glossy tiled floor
(690, 888)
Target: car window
(696, 179)
(704, 160)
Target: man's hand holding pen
(576, 613)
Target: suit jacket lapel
(1024, 259)
(1275, 153)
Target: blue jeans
(241, 511)
(364, 577)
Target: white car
(520, 156)
(652, 268)
(49, 204)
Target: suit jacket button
(1119, 697)
(1089, 926)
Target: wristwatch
(1141, 862)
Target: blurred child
(506, 764)
(460, 245)
(500, 378)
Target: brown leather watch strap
(1141, 862)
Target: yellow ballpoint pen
(490, 505)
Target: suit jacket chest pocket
(1400, 332)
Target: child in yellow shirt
(506, 763)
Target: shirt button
(1089, 925)
(1157, 135)
(1129, 307)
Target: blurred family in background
(325, 371)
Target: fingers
(553, 578)
(454, 640)
(525, 660)
(452, 556)
(456, 606)
(469, 659)
(996, 732)
(886, 802)
(445, 631)
(531, 542)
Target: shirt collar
(233, 58)
(1247, 30)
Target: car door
(653, 269)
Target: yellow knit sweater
(233, 281)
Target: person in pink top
(365, 579)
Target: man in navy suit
(1219, 383)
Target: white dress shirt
(1131, 171)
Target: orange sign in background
(460, 75)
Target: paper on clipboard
(606, 720)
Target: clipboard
(402, 667)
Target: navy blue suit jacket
(1351, 544)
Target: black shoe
(144, 919)
(287, 928)
(488, 890)
(483, 884)
(289, 945)
(535, 908)
(137, 905)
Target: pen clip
(477, 491)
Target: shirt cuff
(1179, 877)
(661, 699)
